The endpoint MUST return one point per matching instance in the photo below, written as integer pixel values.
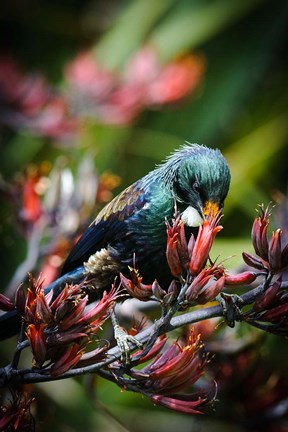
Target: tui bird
(131, 228)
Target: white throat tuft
(191, 217)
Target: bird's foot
(123, 339)
(230, 304)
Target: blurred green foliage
(240, 107)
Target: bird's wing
(108, 227)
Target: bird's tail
(10, 322)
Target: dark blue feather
(110, 227)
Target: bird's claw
(231, 310)
(123, 339)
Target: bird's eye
(196, 187)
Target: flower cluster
(270, 309)
(30, 103)
(59, 329)
(15, 415)
(52, 206)
(190, 263)
(255, 389)
(174, 369)
(271, 256)
(50, 193)
(118, 98)
(187, 261)
(204, 282)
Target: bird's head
(199, 182)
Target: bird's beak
(210, 209)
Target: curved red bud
(274, 253)
(244, 278)
(212, 290)
(253, 261)
(259, 236)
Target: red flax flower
(28, 102)
(177, 249)
(203, 288)
(204, 284)
(119, 97)
(37, 340)
(59, 330)
(135, 287)
(203, 244)
(31, 202)
(177, 368)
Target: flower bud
(171, 293)
(259, 234)
(276, 314)
(274, 253)
(69, 359)
(197, 285)
(73, 315)
(191, 244)
(157, 291)
(20, 299)
(42, 308)
(244, 278)
(253, 261)
(211, 291)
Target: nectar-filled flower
(70, 358)
(203, 244)
(59, 330)
(204, 287)
(177, 249)
(176, 368)
(135, 287)
(37, 339)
